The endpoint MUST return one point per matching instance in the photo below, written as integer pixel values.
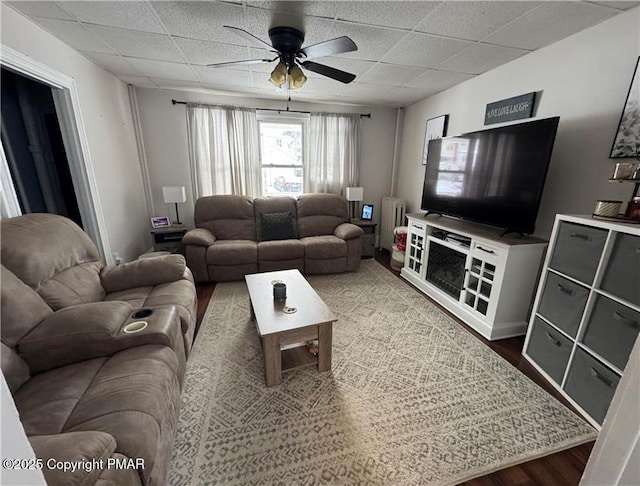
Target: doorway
(34, 148)
(67, 103)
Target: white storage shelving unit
(587, 311)
(485, 279)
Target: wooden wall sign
(510, 109)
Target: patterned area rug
(412, 398)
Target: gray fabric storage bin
(612, 330)
(549, 349)
(562, 303)
(591, 384)
(622, 277)
(577, 251)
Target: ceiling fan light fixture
(286, 45)
(279, 75)
(296, 77)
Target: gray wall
(584, 79)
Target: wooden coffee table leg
(272, 359)
(324, 346)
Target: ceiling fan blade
(333, 73)
(239, 63)
(329, 48)
(251, 37)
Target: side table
(368, 239)
(168, 239)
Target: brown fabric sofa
(85, 388)
(228, 241)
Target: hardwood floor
(560, 469)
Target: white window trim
(285, 117)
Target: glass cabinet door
(415, 248)
(478, 285)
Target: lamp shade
(174, 194)
(296, 77)
(279, 74)
(355, 193)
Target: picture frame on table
(160, 222)
(626, 142)
(367, 212)
(436, 128)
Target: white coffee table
(312, 320)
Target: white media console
(485, 279)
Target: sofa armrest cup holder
(142, 313)
(135, 326)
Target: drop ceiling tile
(391, 74)
(472, 20)
(360, 100)
(422, 50)
(435, 81)
(262, 69)
(201, 20)
(175, 84)
(405, 95)
(372, 42)
(364, 91)
(480, 58)
(127, 15)
(354, 66)
(75, 35)
(261, 80)
(139, 44)
(301, 9)
(47, 10)
(117, 65)
(549, 23)
(140, 81)
(164, 70)
(405, 15)
(203, 52)
(223, 77)
(259, 21)
(322, 84)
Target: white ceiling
(407, 50)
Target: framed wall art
(436, 128)
(627, 140)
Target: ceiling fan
(286, 43)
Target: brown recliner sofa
(311, 233)
(88, 383)
(52, 255)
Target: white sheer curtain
(223, 150)
(333, 153)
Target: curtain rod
(176, 102)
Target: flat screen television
(494, 176)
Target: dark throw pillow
(277, 226)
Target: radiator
(392, 216)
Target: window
(281, 154)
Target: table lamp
(174, 194)
(354, 195)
